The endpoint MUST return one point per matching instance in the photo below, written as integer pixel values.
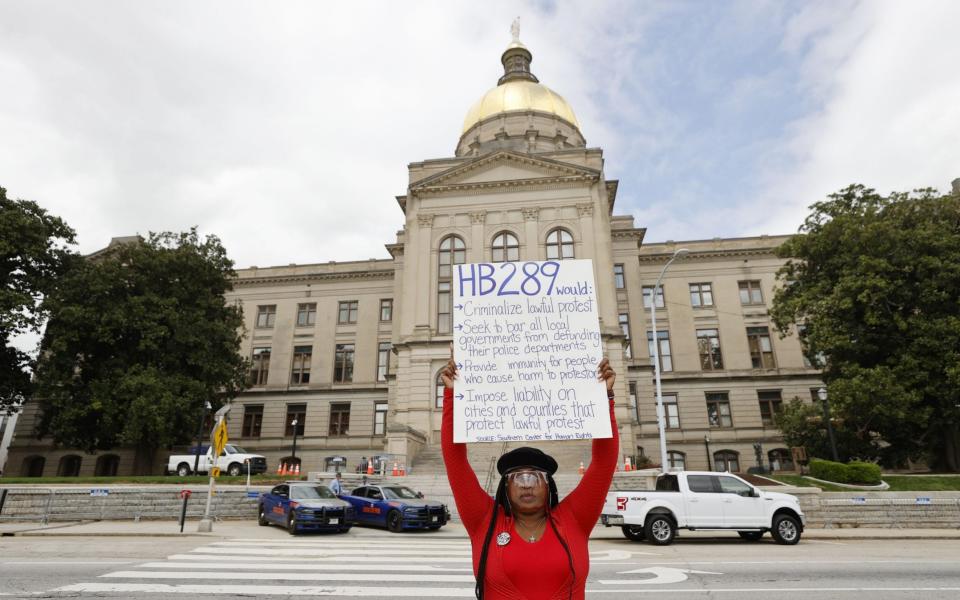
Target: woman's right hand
(449, 373)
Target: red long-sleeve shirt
(522, 570)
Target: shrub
(828, 470)
(863, 473)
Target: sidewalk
(249, 529)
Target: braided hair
(501, 501)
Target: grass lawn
(265, 479)
(925, 483)
(798, 481)
(898, 483)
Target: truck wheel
(786, 530)
(183, 469)
(394, 521)
(292, 524)
(234, 469)
(262, 517)
(633, 533)
(660, 529)
(751, 536)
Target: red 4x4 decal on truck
(622, 502)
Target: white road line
(291, 576)
(351, 558)
(824, 542)
(231, 565)
(794, 562)
(350, 540)
(786, 590)
(67, 562)
(271, 590)
(282, 544)
(330, 551)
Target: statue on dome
(515, 29)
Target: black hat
(526, 457)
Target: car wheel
(345, 529)
(292, 524)
(183, 469)
(751, 536)
(394, 521)
(633, 533)
(786, 530)
(262, 517)
(660, 530)
(234, 470)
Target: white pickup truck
(230, 462)
(704, 501)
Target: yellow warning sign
(215, 472)
(219, 438)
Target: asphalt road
(375, 564)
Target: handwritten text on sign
(527, 345)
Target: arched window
(726, 460)
(452, 252)
(506, 248)
(107, 465)
(677, 460)
(438, 392)
(69, 466)
(781, 460)
(33, 466)
(559, 244)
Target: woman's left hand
(606, 373)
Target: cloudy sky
(285, 128)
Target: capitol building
(351, 351)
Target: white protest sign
(527, 344)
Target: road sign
(219, 438)
(214, 471)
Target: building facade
(346, 355)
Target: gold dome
(519, 95)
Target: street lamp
(706, 442)
(822, 394)
(196, 460)
(656, 359)
(293, 453)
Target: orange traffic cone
(370, 467)
(403, 470)
(396, 471)
(626, 464)
(296, 469)
(279, 468)
(580, 470)
(283, 471)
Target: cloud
(888, 115)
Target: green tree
(876, 282)
(138, 338)
(34, 251)
(803, 424)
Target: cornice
(733, 252)
(379, 274)
(567, 169)
(481, 187)
(612, 186)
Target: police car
(305, 506)
(396, 507)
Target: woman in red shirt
(526, 543)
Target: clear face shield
(527, 478)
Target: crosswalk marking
(272, 590)
(358, 553)
(315, 566)
(255, 576)
(346, 558)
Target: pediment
(503, 167)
